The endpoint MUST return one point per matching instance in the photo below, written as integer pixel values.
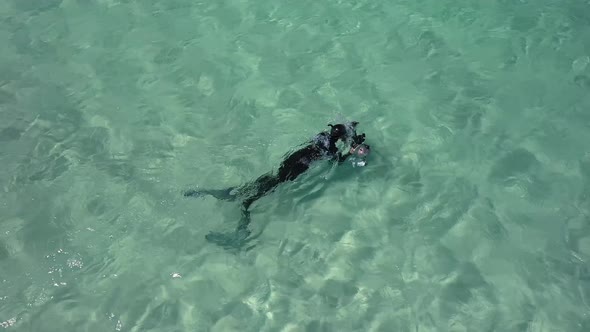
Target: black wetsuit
(322, 147)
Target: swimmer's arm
(342, 157)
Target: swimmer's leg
(221, 194)
(241, 236)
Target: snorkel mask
(359, 151)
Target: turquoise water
(472, 215)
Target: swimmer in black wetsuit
(322, 147)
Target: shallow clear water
(472, 215)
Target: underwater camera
(359, 151)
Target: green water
(472, 215)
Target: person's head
(337, 131)
(342, 131)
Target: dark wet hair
(337, 131)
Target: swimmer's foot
(234, 240)
(237, 239)
(193, 193)
(222, 194)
